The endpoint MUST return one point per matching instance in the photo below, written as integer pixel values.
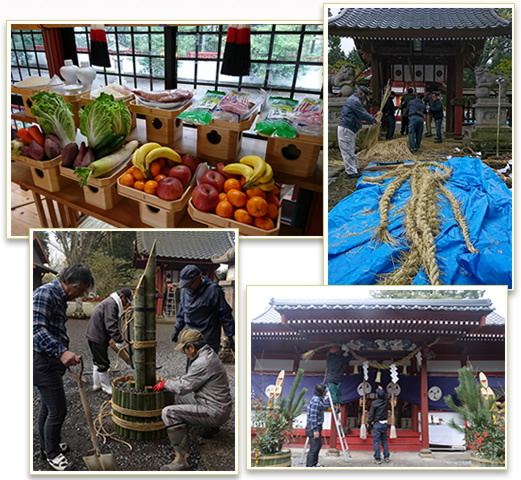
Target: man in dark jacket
(335, 374)
(352, 115)
(203, 308)
(314, 422)
(428, 116)
(378, 420)
(437, 113)
(388, 111)
(416, 109)
(51, 357)
(404, 104)
(104, 325)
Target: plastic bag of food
(275, 119)
(201, 111)
(233, 107)
(308, 117)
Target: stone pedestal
(335, 105)
(486, 111)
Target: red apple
(190, 162)
(182, 172)
(213, 177)
(205, 197)
(169, 188)
(220, 166)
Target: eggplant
(88, 158)
(69, 153)
(79, 157)
(51, 148)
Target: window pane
(206, 71)
(256, 76)
(208, 45)
(285, 47)
(188, 28)
(260, 47)
(288, 28)
(312, 50)
(186, 70)
(281, 75)
(186, 46)
(310, 78)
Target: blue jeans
(438, 128)
(415, 132)
(380, 436)
(47, 377)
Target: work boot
(105, 382)
(178, 436)
(96, 383)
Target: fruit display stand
(296, 156)
(100, 192)
(215, 221)
(162, 125)
(26, 94)
(156, 212)
(221, 141)
(45, 173)
(85, 99)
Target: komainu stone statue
(344, 80)
(487, 81)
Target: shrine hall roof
(406, 19)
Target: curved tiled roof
(453, 19)
(189, 244)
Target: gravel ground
(215, 454)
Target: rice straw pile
(396, 150)
(422, 221)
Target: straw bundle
(374, 130)
(396, 150)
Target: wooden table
(67, 207)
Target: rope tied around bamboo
(422, 220)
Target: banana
(161, 152)
(257, 163)
(138, 159)
(266, 187)
(239, 169)
(268, 174)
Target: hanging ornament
(394, 373)
(355, 371)
(378, 376)
(404, 370)
(419, 359)
(365, 368)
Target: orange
(242, 215)
(127, 179)
(165, 171)
(223, 196)
(257, 206)
(273, 211)
(236, 197)
(139, 185)
(232, 183)
(154, 168)
(271, 198)
(159, 177)
(138, 174)
(275, 190)
(224, 209)
(162, 162)
(151, 187)
(255, 192)
(242, 180)
(266, 223)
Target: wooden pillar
(458, 96)
(160, 290)
(424, 406)
(451, 89)
(376, 85)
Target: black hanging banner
(236, 59)
(99, 54)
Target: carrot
(24, 134)
(36, 134)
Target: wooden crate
(46, 173)
(85, 99)
(100, 192)
(221, 141)
(155, 211)
(214, 221)
(26, 94)
(296, 156)
(162, 126)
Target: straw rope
(139, 427)
(137, 413)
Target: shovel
(97, 461)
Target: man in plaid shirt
(51, 356)
(315, 419)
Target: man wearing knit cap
(203, 397)
(203, 307)
(104, 325)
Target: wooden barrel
(279, 459)
(137, 415)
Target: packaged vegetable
(308, 117)
(202, 109)
(233, 107)
(54, 115)
(275, 119)
(106, 124)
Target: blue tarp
(356, 258)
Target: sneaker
(353, 175)
(387, 459)
(64, 448)
(378, 461)
(60, 463)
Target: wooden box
(26, 94)
(221, 141)
(45, 173)
(214, 221)
(162, 125)
(295, 156)
(100, 192)
(75, 100)
(155, 211)
(85, 99)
